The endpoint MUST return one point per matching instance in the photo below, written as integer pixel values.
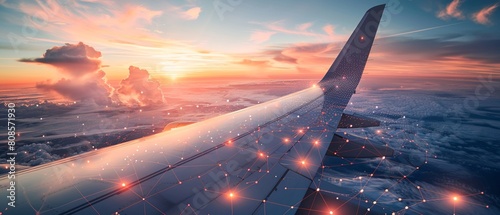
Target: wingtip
(377, 8)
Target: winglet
(351, 61)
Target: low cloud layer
(36, 154)
(84, 81)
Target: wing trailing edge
(356, 121)
(349, 146)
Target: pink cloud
(191, 14)
(329, 29)
(72, 59)
(134, 13)
(304, 26)
(81, 63)
(138, 89)
(277, 26)
(261, 36)
(303, 29)
(91, 88)
(114, 22)
(85, 82)
(482, 16)
(452, 11)
(258, 63)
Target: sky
(51, 44)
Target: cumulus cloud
(483, 16)
(451, 11)
(92, 87)
(84, 81)
(80, 64)
(73, 59)
(138, 89)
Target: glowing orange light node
(123, 184)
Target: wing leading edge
(259, 160)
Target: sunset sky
(242, 39)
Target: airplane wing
(258, 160)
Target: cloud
(134, 13)
(303, 70)
(261, 36)
(447, 56)
(180, 12)
(304, 26)
(451, 11)
(191, 14)
(73, 59)
(281, 57)
(329, 30)
(89, 88)
(138, 89)
(302, 29)
(259, 63)
(286, 59)
(477, 49)
(105, 22)
(80, 63)
(87, 83)
(36, 154)
(482, 16)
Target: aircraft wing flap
(286, 196)
(356, 147)
(357, 121)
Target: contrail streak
(420, 30)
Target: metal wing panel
(115, 178)
(287, 195)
